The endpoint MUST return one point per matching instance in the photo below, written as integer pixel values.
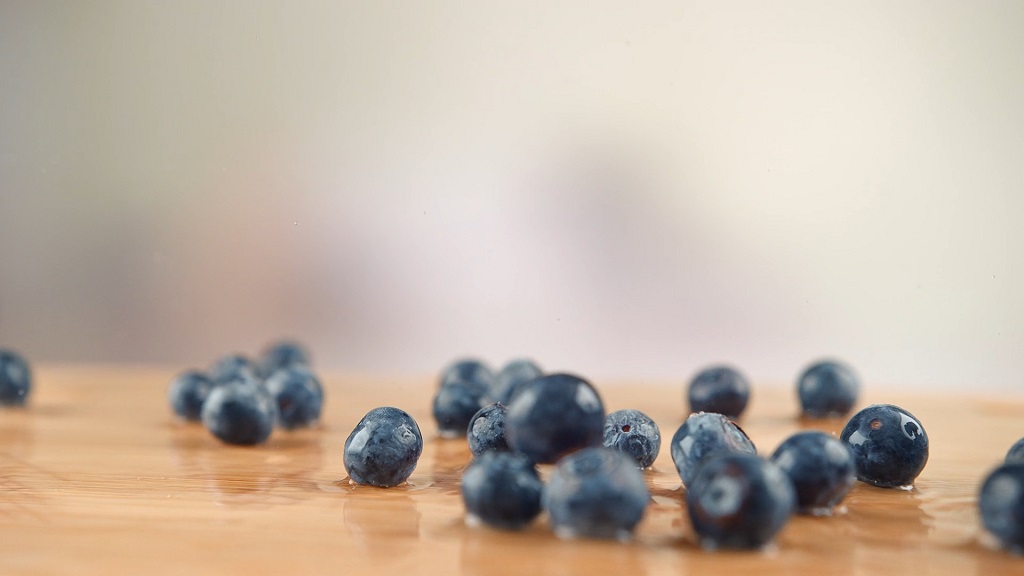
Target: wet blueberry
(1016, 453)
(233, 367)
(890, 447)
(513, 375)
(298, 395)
(719, 389)
(502, 490)
(553, 416)
(706, 435)
(384, 448)
(455, 403)
(284, 354)
(188, 392)
(238, 413)
(471, 371)
(739, 501)
(15, 379)
(827, 389)
(486, 430)
(1001, 504)
(633, 433)
(821, 468)
(596, 493)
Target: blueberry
(284, 354)
(473, 372)
(233, 367)
(719, 389)
(1016, 453)
(298, 395)
(596, 493)
(1001, 503)
(739, 501)
(820, 467)
(15, 379)
(633, 433)
(512, 375)
(706, 435)
(188, 392)
(239, 413)
(501, 490)
(890, 447)
(486, 430)
(827, 389)
(553, 416)
(384, 448)
(454, 406)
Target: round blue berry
(827, 389)
(705, 435)
(471, 371)
(188, 392)
(284, 354)
(298, 395)
(15, 379)
(1001, 503)
(1016, 453)
(454, 406)
(233, 367)
(633, 433)
(384, 448)
(238, 413)
(512, 375)
(502, 490)
(553, 416)
(890, 447)
(821, 468)
(719, 389)
(486, 430)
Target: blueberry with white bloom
(239, 413)
(486, 430)
(1001, 503)
(633, 433)
(502, 490)
(15, 378)
(890, 447)
(554, 415)
(298, 395)
(512, 375)
(283, 354)
(188, 392)
(706, 435)
(821, 468)
(827, 389)
(384, 448)
(720, 389)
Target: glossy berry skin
(1001, 503)
(188, 392)
(553, 416)
(827, 389)
(384, 448)
(486, 430)
(502, 490)
(719, 389)
(238, 413)
(15, 379)
(706, 435)
(298, 395)
(513, 375)
(471, 371)
(596, 493)
(1016, 453)
(739, 501)
(455, 403)
(633, 433)
(890, 447)
(821, 468)
(233, 367)
(284, 354)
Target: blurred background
(626, 190)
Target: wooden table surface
(97, 477)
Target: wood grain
(97, 477)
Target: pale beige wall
(618, 188)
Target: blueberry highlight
(703, 436)
(238, 413)
(15, 379)
(827, 389)
(553, 416)
(298, 395)
(502, 490)
(821, 468)
(720, 389)
(633, 433)
(890, 447)
(384, 448)
(512, 376)
(486, 430)
(1001, 503)
(187, 393)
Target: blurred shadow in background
(627, 191)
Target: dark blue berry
(238, 413)
(596, 493)
(188, 392)
(890, 447)
(820, 467)
(1001, 503)
(234, 367)
(553, 416)
(512, 375)
(633, 433)
(1016, 453)
(284, 354)
(298, 395)
(706, 435)
(827, 389)
(15, 379)
(454, 406)
(384, 448)
(471, 371)
(739, 501)
(719, 389)
(502, 490)
(486, 430)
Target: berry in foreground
(384, 448)
(15, 379)
(821, 469)
(1016, 453)
(298, 395)
(188, 392)
(283, 354)
(596, 493)
(486, 430)
(739, 501)
(633, 433)
(706, 435)
(239, 413)
(720, 389)
(1001, 503)
(827, 389)
(502, 490)
(553, 416)
(890, 447)
(512, 376)
(455, 403)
